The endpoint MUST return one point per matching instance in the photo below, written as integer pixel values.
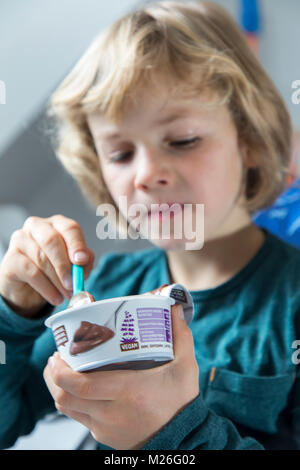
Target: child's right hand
(38, 262)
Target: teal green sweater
(243, 330)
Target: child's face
(193, 158)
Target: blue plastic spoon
(80, 296)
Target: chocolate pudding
(88, 336)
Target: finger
(183, 343)
(53, 246)
(26, 271)
(52, 387)
(158, 289)
(75, 242)
(98, 385)
(65, 400)
(23, 241)
(73, 236)
(104, 411)
(77, 416)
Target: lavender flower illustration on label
(127, 329)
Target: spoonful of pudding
(80, 296)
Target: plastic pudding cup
(131, 332)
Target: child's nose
(152, 170)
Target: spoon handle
(78, 278)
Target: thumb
(179, 311)
(181, 333)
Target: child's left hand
(124, 409)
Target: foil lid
(181, 296)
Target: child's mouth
(171, 211)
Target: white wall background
(279, 44)
(39, 42)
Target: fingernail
(81, 256)
(68, 282)
(58, 300)
(180, 312)
(51, 362)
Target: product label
(60, 335)
(154, 324)
(129, 339)
(129, 346)
(88, 336)
(178, 294)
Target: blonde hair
(201, 48)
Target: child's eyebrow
(109, 135)
(165, 120)
(172, 117)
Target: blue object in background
(250, 16)
(283, 217)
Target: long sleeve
(24, 397)
(253, 403)
(295, 412)
(26, 345)
(197, 427)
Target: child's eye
(125, 156)
(120, 157)
(184, 143)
